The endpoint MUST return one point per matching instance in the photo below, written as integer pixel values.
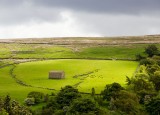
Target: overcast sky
(71, 18)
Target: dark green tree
(142, 94)
(1, 104)
(83, 106)
(139, 57)
(153, 107)
(151, 50)
(51, 107)
(156, 80)
(128, 80)
(38, 96)
(142, 84)
(66, 96)
(152, 68)
(93, 92)
(125, 102)
(17, 109)
(147, 62)
(29, 101)
(111, 91)
(7, 106)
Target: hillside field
(82, 74)
(79, 73)
(87, 62)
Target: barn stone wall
(56, 75)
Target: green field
(16, 91)
(73, 56)
(40, 51)
(79, 73)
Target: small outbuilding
(56, 75)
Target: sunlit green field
(101, 72)
(73, 57)
(10, 87)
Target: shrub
(156, 80)
(8, 107)
(3, 112)
(142, 84)
(38, 96)
(125, 102)
(47, 111)
(66, 96)
(52, 104)
(50, 107)
(153, 107)
(152, 68)
(16, 109)
(127, 106)
(59, 112)
(29, 101)
(93, 92)
(83, 106)
(142, 69)
(151, 50)
(1, 104)
(111, 91)
(142, 76)
(143, 94)
(139, 57)
(147, 62)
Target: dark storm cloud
(14, 12)
(105, 6)
(42, 18)
(20, 11)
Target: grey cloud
(22, 11)
(119, 25)
(103, 17)
(105, 6)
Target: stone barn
(56, 75)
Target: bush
(147, 62)
(8, 107)
(111, 91)
(29, 101)
(125, 102)
(52, 104)
(142, 84)
(3, 112)
(38, 96)
(59, 112)
(47, 111)
(156, 80)
(127, 106)
(152, 68)
(144, 94)
(50, 108)
(151, 50)
(139, 57)
(66, 96)
(153, 107)
(83, 106)
(142, 76)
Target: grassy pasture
(9, 86)
(15, 50)
(83, 74)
